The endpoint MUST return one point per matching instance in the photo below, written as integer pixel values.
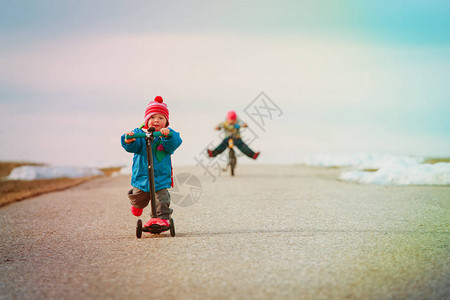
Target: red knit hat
(231, 115)
(156, 107)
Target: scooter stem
(151, 175)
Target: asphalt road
(268, 233)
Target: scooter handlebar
(138, 135)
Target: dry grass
(427, 161)
(109, 171)
(436, 160)
(370, 170)
(17, 190)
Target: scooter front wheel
(172, 227)
(139, 229)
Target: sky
(307, 76)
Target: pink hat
(231, 115)
(156, 107)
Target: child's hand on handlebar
(128, 141)
(165, 131)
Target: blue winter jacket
(162, 168)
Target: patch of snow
(47, 172)
(389, 169)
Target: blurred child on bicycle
(232, 126)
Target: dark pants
(141, 199)
(238, 142)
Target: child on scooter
(157, 116)
(232, 127)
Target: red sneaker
(136, 211)
(161, 222)
(255, 156)
(210, 154)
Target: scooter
(154, 228)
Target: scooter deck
(155, 228)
